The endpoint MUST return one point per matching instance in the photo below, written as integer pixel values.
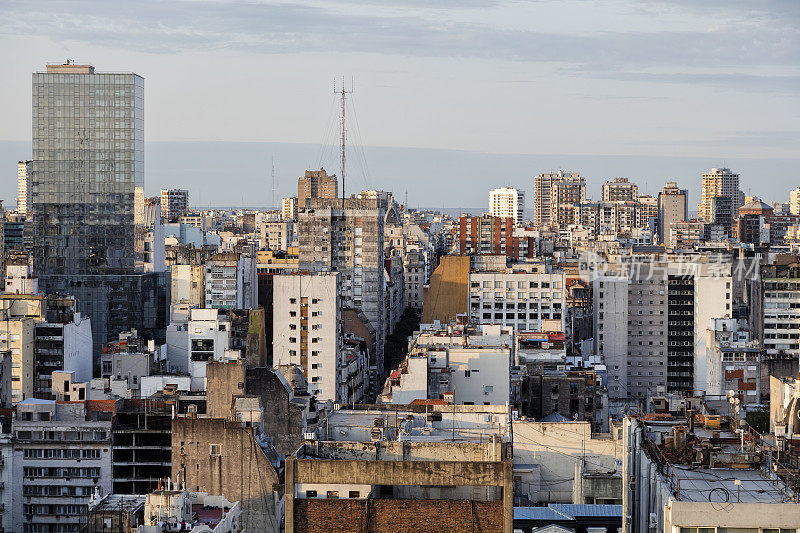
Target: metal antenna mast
(343, 131)
(274, 204)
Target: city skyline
(558, 79)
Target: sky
(712, 81)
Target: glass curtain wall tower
(87, 198)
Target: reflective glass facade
(87, 199)
(88, 170)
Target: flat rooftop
(719, 485)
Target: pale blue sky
(709, 79)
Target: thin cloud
(163, 27)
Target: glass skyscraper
(87, 171)
(87, 198)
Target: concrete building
(289, 208)
(685, 235)
(718, 182)
(566, 194)
(733, 360)
(307, 332)
(154, 258)
(673, 206)
(276, 235)
(678, 479)
(415, 279)
(19, 276)
(464, 365)
(507, 202)
(452, 471)
(350, 240)
(206, 337)
(566, 462)
(174, 203)
(619, 190)
(794, 201)
(24, 188)
(192, 510)
(229, 458)
(659, 310)
(754, 225)
(447, 295)
(552, 189)
(231, 281)
(524, 296)
(8, 480)
(488, 234)
(16, 346)
(316, 184)
(778, 310)
(62, 336)
(62, 456)
(188, 285)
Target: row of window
(65, 472)
(46, 453)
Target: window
(215, 450)
(353, 494)
(311, 494)
(333, 494)
(466, 373)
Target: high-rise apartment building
(316, 184)
(87, 198)
(62, 456)
(289, 208)
(672, 207)
(650, 322)
(489, 235)
(307, 332)
(507, 202)
(779, 318)
(174, 203)
(525, 296)
(552, 188)
(347, 236)
(23, 187)
(794, 201)
(719, 182)
(619, 190)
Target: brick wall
(379, 516)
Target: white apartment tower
(507, 202)
(23, 187)
(307, 331)
(794, 201)
(650, 322)
(174, 203)
(719, 182)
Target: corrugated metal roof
(539, 513)
(588, 510)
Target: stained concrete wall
(564, 448)
(241, 471)
(282, 418)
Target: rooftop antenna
(274, 205)
(343, 131)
